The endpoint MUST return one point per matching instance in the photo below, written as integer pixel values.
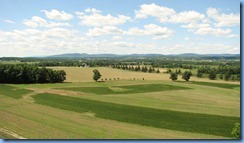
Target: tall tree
(186, 75)
(173, 76)
(96, 74)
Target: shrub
(236, 131)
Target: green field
(125, 109)
(129, 89)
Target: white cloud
(92, 10)
(162, 13)
(117, 37)
(135, 31)
(196, 25)
(99, 20)
(149, 30)
(207, 29)
(36, 21)
(49, 41)
(223, 19)
(30, 23)
(165, 14)
(213, 31)
(8, 21)
(156, 31)
(107, 30)
(187, 17)
(57, 15)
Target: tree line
(225, 72)
(23, 73)
(136, 68)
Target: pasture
(120, 109)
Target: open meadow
(123, 107)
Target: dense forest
(23, 73)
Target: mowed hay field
(85, 74)
(154, 108)
(80, 74)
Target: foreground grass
(144, 88)
(181, 121)
(35, 121)
(12, 91)
(6, 136)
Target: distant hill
(84, 55)
(184, 55)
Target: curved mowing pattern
(144, 88)
(174, 120)
(12, 91)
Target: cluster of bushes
(186, 75)
(136, 68)
(23, 73)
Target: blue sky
(48, 27)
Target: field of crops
(127, 109)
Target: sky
(50, 27)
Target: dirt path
(10, 134)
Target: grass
(144, 88)
(12, 91)
(174, 120)
(35, 121)
(219, 85)
(5, 136)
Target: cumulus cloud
(49, 41)
(165, 14)
(57, 15)
(223, 19)
(162, 13)
(196, 25)
(207, 29)
(36, 21)
(156, 31)
(186, 17)
(107, 30)
(93, 17)
(213, 31)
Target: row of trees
(136, 68)
(220, 69)
(226, 76)
(23, 73)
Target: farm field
(76, 74)
(124, 108)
